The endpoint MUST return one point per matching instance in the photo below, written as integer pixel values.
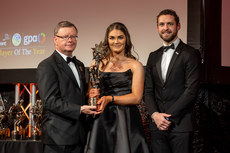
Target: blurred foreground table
(20, 146)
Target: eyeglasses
(67, 37)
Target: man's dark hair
(169, 12)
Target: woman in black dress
(118, 128)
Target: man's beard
(170, 38)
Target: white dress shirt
(166, 58)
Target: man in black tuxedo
(62, 88)
(171, 87)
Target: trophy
(4, 120)
(37, 116)
(98, 55)
(21, 120)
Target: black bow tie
(69, 59)
(166, 48)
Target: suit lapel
(158, 65)
(65, 67)
(174, 58)
(80, 74)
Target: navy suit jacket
(62, 122)
(177, 95)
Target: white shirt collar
(63, 55)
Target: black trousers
(171, 142)
(62, 149)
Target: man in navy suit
(62, 88)
(171, 87)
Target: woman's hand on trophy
(93, 92)
(102, 103)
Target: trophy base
(93, 101)
(15, 135)
(35, 135)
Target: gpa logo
(16, 39)
(40, 38)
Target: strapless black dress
(119, 128)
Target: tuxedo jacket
(62, 122)
(178, 93)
